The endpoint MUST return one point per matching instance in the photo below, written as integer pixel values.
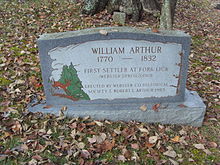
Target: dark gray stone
(189, 112)
(93, 6)
(217, 6)
(48, 42)
(119, 17)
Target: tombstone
(119, 73)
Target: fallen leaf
(73, 125)
(199, 146)
(144, 130)
(64, 108)
(3, 156)
(103, 32)
(207, 151)
(81, 145)
(17, 127)
(126, 153)
(37, 157)
(85, 154)
(180, 160)
(92, 140)
(135, 157)
(33, 80)
(91, 124)
(191, 160)
(100, 124)
(121, 158)
(19, 82)
(143, 107)
(9, 109)
(24, 147)
(154, 30)
(32, 162)
(107, 145)
(149, 145)
(173, 162)
(6, 134)
(135, 146)
(38, 85)
(49, 132)
(212, 145)
(117, 131)
(155, 107)
(212, 119)
(182, 132)
(153, 139)
(101, 138)
(170, 153)
(176, 139)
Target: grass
(25, 21)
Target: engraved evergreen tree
(71, 84)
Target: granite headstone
(119, 73)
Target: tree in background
(132, 8)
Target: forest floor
(27, 138)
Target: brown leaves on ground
(27, 138)
(176, 139)
(107, 145)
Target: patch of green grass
(8, 161)
(55, 135)
(4, 81)
(216, 106)
(198, 156)
(1, 99)
(42, 141)
(144, 159)
(126, 163)
(55, 159)
(109, 156)
(14, 115)
(197, 41)
(11, 143)
(210, 130)
(201, 4)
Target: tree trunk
(132, 8)
(165, 18)
(167, 14)
(173, 7)
(150, 6)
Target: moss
(4, 81)
(201, 157)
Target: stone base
(190, 112)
